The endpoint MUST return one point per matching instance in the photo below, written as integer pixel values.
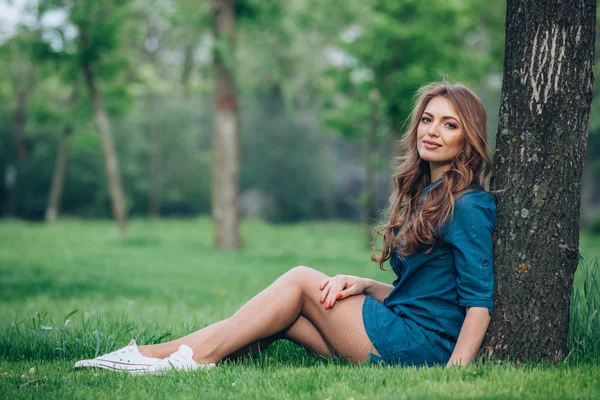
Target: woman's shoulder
(474, 212)
(475, 193)
(475, 202)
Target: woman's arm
(377, 290)
(471, 335)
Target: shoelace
(175, 358)
(122, 351)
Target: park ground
(77, 289)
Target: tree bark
(541, 145)
(58, 177)
(110, 157)
(226, 152)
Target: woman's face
(440, 133)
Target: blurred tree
(191, 27)
(226, 147)
(60, 166)
(18, 51)
(58, 177)
(546, 98)
(98, 24)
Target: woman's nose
(433, 130)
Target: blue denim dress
(420, 320)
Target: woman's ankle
(149, 351)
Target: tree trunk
(188, 66)
(58, 177)
(541, 145)
(155, 159)
(226, 152)
(21, 117)
(372, 162)
(110, 157)
(20, 120)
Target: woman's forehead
(439, 106)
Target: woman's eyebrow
(443, 118)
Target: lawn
(164, 280)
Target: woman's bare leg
(164, 350)
(302, 332)
(276, 308)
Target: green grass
(163, 280)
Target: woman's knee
(301, 270)
(301, 275)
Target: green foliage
(99, 24)
(395, 47)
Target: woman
(439, 242)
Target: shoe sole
(113, 366)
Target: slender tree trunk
(20, 120)
(226, 153)
(110, 156)
(372, 161)
(541, 145)
(188, 66)
(155, 159)
(58, 177)
(21, 117)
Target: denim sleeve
(469, 234)
(396, 265)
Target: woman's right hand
(339, 287)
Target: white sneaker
(180, 360)
(127, 359)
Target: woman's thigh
(342, 325)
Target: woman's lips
(431, 145)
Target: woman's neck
(437, 170)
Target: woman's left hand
(339, 287)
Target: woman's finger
(346, 293)
(333, 292)
(325, 292)
(325, 281)
(331, 287)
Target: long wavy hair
(412, 223)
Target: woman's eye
(425, 119)
(451, 125)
